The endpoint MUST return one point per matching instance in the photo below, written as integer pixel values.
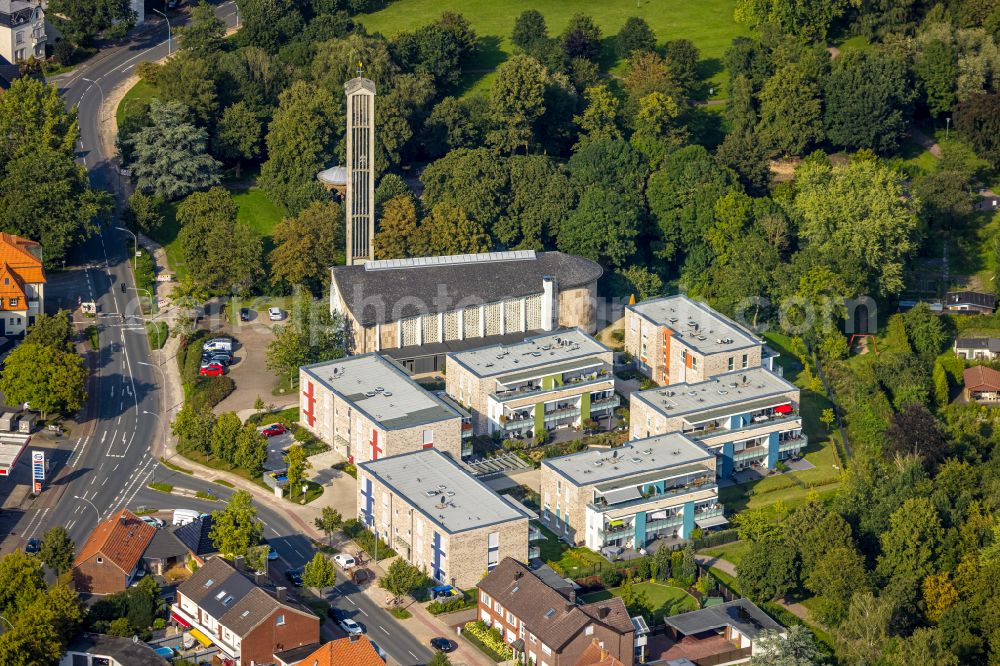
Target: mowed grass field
(708, 24)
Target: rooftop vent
(675, 452)
(636, 460)
(379, 389)
(549, 613)
(387, 393)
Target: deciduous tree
(251, 450)
(328, 522)
(295, 458)
(82, 21)
(603, 227)
(50, 380)
(835, 577)
(222, 254)
(449, 230)
(397, 235)
(236, 528)
(600, 118)
(517, 99)
(319, 573)
(313, 334)
(204, 33)
(54, 331)
(582, 37)
(224, 433)
(635, 35)
(238, 134)
(790, 112)
(58, 550)
(307, 245)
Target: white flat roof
(382, 390)
(535, 352)
(696, 324)
(11, 447)
(436, 486)
(639, 456)
(716, 393)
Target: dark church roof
(384, 291)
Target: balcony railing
(716, 429)
(562, 413)
(534, 552)
(518, 423)
(504, 396)
(646, 499)
(792, 444)
(604, 403)
(751, 453)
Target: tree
(236, 528)
(328, 522)
(541, 197)
(517, 102)
(810, 19)
(313, 334)
(190, 80)
(790, 112)
(814, 530)
(582, 37)
(475, 181)
(647, 73)
(867, 98)
(978, 119)
(204, 34)
(170, 159)
(859, 217)
(827, 417)
(603, 227)
(657, 121)
(224, 433)
(455, 123)
(82, 21)
(689, 568)
(439, 659)
(863, 634)
(767, 570)
(926, 646)
(295, 458)
(238, 135)
(643, 283)
(54, 331)
(599, 120)
(58, 550)
(835, 578)
(222, 254)
(659, 567)
(319, 573)
(615, 166)
(268, 24)
(397, 233)
(437, 49)
(529, 29)
(939, 594)
(193, 428)
(936, 67)
(797, 648)
(755, 525)
(402, 578)
(142, 212)
(299, 140)
(449, 230)
(307, 245)
(915, 431)
(635, 35)
(23, 581)
(910, 547)
(50, 380)
(30, 644)
(742, 152)
(682, 60)
(251, 450)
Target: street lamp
(947, 127)
(168, 29)
(163, 423)
(151, 303)
(92, 505)
(237, 14)
(135, 254)
(93, 82)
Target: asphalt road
(112, 467)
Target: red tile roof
(122, 538)
(981, 378)
(345, 651)
(595, 655)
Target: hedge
(719, 538)
(486, 639)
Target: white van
(185, 516)
(218, 344)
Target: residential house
(366, 407)
(452, 303)
(110, 559)
(982, 384)
(22, 283)
(980, 349)
(546, 628)
(165, 551)
(439, 517)
(196, 537)
(350, 650)
(675, 339)
(101, 650)
(721, 634)
(22, 30)
(222, 606)
(748, 418)
(595, 655)
(551, 381)
(970, 302)
(659, 487)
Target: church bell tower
(360, 199)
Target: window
(546, 649)
(492, 550)
(13, 302)
(694, 362)
(279, 620)
(589, 630)
(732, 363)
(20, 38)
(219, 596)
(746, 361)
(497, 607)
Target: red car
(273, 429)
(213, 370)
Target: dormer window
(100, 560)
(13, 302)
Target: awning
(656, 515)
(616, 522)
(714, 521)
(201, 638)
(179, 620)
(783, 409)
(622, 495)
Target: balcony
(192, 620)
(794, 443)
(753, 425)
(562, 413)
(466, 430)
(751, 453)
(510, 423)
(600, 505)
(604, 403)
(603, 375)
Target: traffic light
(124, 287)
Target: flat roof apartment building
(654, 488)
(438, 517)
(418, 310)
(546, 382)
(748, 418)
(675, 339)
(366, 407)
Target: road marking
(351, 600)
(383, 630)
(413, 655)
(105, 481)
(363, 612)
(71, 524)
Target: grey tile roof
(544, 611)
(195, 535)
(992, 344)
(380, 296)
(122, 650)
(741, 614)
(164, 545)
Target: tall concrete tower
(360, 169)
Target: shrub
(159, 623)
(63, 52)
(162, 487)
(611, 577)
(364, 538)
(208, 392)
(487, 637)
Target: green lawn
(731, 552)
(664, 600)
(708, 24)
(567, 561)
(136, 97)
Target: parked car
(150, 520)
(185, 516)
(345, 561)
(294, 577)
(221, 359)
(212, 370)
(33, 546)
(273, 430)
(336, 614)
(218, 344)
(244, 314)
(275, 314)
(442, 644)
(351, 627)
